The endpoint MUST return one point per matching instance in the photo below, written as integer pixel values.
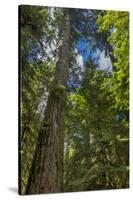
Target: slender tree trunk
(46, 174)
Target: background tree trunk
(46, 174)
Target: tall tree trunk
(46, 174)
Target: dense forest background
(74, 100)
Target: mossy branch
(58, 89)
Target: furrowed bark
(46, 174)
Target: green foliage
(96, 125)
(36, 78)
(94, 138)
(33, 27)
(118, 24)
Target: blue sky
(84, 51)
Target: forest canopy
(74, 99)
